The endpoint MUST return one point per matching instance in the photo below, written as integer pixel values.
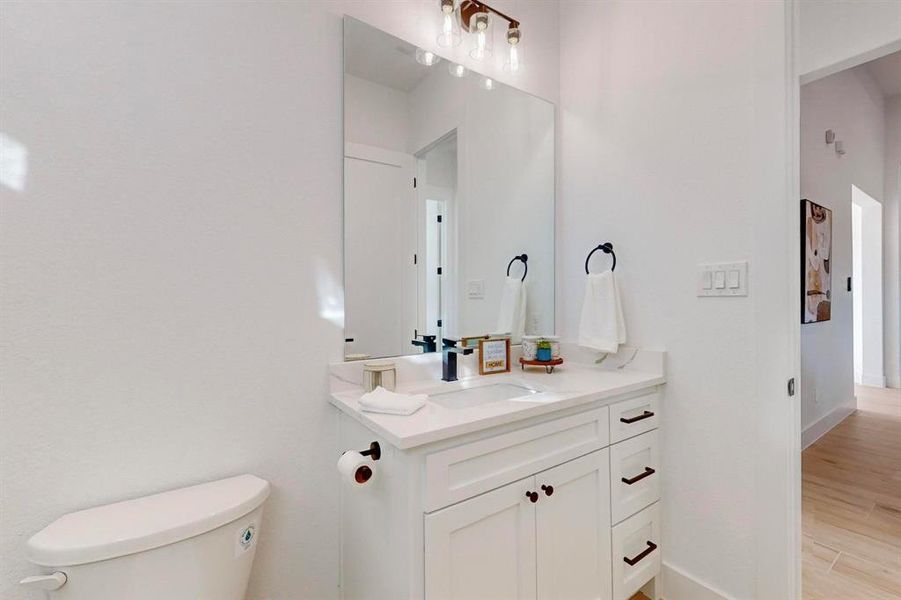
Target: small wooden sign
(494, 356)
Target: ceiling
(887, 73)
(381, 58)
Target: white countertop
(569, 386)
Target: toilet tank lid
(145, 523)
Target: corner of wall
(824, 424)
(679, 585)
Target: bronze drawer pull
(645, 415)
(634, 561)
(648, 471)
(532, 496)
(547, 489)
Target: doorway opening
(850, 128)
(436, 192)
(866, 289)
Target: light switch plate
(723, 279)
(475, 289)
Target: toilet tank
(194, 543)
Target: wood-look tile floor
(851, 498)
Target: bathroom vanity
(524, 485)
(516, 485)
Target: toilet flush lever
(51, 582)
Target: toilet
(194, 543)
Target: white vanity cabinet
(561, 506)
(546, 536)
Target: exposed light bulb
(457, 70)
(486, 83)
(450, 29)
(514, 59)
(512, 63)
(478, 52)
(427, 58)
(480, 25)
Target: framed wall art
(816, 262)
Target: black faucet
(427, 343)
(449, 359)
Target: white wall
(839, 34)
(850, 104)
(891, 235)
(171, 273)
(375, 115)
(674, 148)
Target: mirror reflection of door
(379, 276)
(437, 185)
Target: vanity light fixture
(424, 57)
(479, 24)
(450, 27)
(476, 18)
(514, 59)
(457, 70)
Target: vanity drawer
(636, 552)
(464, 471)
(632, 417)
(634, 476)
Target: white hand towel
(512, 316)
(602, 326)
(381, 400)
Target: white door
(380, 241)
(483, 548)
(573, 529)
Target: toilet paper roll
(356, 470)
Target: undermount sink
(467, 397)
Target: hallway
(852, 504)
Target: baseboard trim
(821, 426)
(679, 585)
(893, 381)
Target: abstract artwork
(816, 262)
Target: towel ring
(606, 248)
(524, 258)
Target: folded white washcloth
(381, 400)
(512, 315)
(602, 326)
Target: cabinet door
(483, 548)
(573, 528)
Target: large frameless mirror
(448, 189)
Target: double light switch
(723, 279)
